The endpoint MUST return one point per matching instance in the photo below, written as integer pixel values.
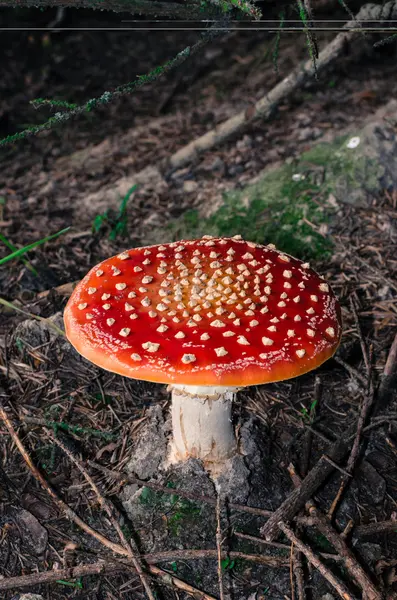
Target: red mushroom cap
(214, 311)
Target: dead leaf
(108, 448)
(31, 528)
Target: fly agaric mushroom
(208, 317)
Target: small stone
(190, 186)
(309, 133)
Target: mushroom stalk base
(202, 425)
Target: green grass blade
(25, 249)
(124, 202)
(13, 248)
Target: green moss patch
(289, 206)
(281, 208)
(180, 512)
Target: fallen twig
(361, 338)
(316, 562)
(389, 377)
(70, 514)
(364, 412)
(308, 434)
(323, 468)
(258, 540)
(259, 559)
(346, 531)
(263, 109)
(133, 554)
(111, 566)
(269, 561)
(310, 484)
(21, 581)
(291, 571)
(265, 106)
(299, 574)
(352, 565)
(362, 531)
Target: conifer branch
(135, 7)
(196, 9)
(109, 96)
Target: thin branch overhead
(105, 98)
(134, 7)
(148, 8)
(262, 108)
(110, 96)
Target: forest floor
(46, 387)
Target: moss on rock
(295, 206)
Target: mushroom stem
(202, 424)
